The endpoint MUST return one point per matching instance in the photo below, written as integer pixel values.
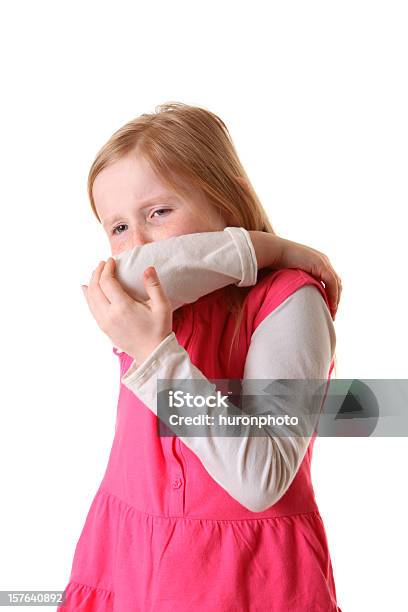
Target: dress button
(177, 482)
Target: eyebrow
(155, 199)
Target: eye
(117, 228)
(160, 210)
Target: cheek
(119, 246)
(191, 222)
(176, 224)
(180, 229)
(203, 218)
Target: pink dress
(161, 535)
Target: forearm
(191, 265)
(267, 247)
(257, 467)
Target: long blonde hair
(191, 145)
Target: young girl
(202, 523)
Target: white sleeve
(297, 340)
(191, 265)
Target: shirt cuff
(137, 375)
(247, 255)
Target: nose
(139, 237)
(134, 238)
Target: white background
(315, 97)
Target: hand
(276, 252)
(136, 327)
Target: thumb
(154, 288)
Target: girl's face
(135, 207)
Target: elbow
(260, 499)
(266, 490)
(260, 503)
(259, 489)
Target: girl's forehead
(130, 172)
(131, 181)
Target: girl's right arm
(287, 364)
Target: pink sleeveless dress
(161, 535)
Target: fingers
(340, 286)
(332, 282)
(155, 290)
(333, 288)
(110, 284)
(97, 300)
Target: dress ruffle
(85, 598)
(130, 561)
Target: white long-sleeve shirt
(296, 341)
(191, 265)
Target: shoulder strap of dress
(274, 288)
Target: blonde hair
(191, 145)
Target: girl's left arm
(295, 341)
(192, 265)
